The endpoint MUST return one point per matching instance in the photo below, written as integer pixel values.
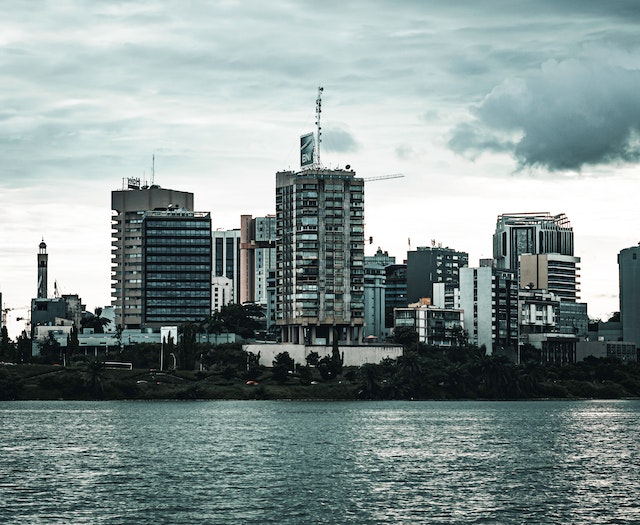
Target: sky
(485, 107)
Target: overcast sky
(486, 108)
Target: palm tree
(94, 374)
(369, 374)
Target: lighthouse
(43, 259)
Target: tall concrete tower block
(43, 261)
(629, 267)
(320, 256)
(128, 209)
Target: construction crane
(5, 311)
(384, 177)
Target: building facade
(176, 267)
(532, 233)
(257, 257)
(226, 260)
(320, 256)
(395, 293)
(374, 302)
(629, 271)
(434, 264)
(435, 326)
(128, 207)
(553, 272)
(489, 299)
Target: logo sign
(306, 150)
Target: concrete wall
(353, 355)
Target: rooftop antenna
(153, 168)
(318, 128)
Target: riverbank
(52, 382)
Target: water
(227, 462)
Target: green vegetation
(205, 371)
(230, 373)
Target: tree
(282, 365)
(23, 350)
(73, 345)
(312, 358)
(95, 374)
(96, 322)
(7, 348)
(187, 349)
(405, 336)
(369, 376)
(243, 319)
(50, 350)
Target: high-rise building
(257, 257)
(552, 272)
(129, 205)
(489, 298)
(374, 303)
(226, 263)
(176, 267)
(434, 264)
(629, 270)
(320, 256)
(532, 233)
(395, 294)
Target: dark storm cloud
(565, 116)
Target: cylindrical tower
(42, 270)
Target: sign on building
(307, 144)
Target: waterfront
(301, 462)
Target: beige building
(553, 272)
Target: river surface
(256, 462)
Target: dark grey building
(429, 265)
(395, 293)
(629, 268)
(176, 264)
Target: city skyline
(485, 109)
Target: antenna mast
(318, 128)
(153, 168)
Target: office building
(434, 264)
(226, 262)
(441, 327)
(532, 233)
(320, 256)
(257, 257)
(629, 271)
(553, 272)
(129, 205)
(395, 294)
(374, 302)
(489, 299)
(176, 267)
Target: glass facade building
(176, 265)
